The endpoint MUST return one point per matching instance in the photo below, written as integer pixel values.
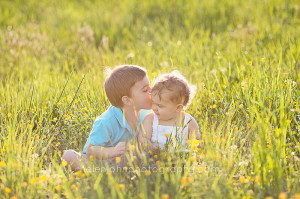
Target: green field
(243, 56)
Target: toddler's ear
(179, 107)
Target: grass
(243, 56)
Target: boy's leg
(74, 159)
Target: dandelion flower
(288, 121)
(64, 163)
(190, 179)
(2, 164)
(131, 147)
(7, 190)
(165, 196)
(193, 159)
(148, 172)
(121, 186)
(183, 181)
(242, 179)
(118, 159)
(241, 106)
(166, 135)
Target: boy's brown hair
(181, 91)
(120, 81)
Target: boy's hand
(121, 148)
(153, 148)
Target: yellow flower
(283, 195)
(250, 62)
(166, 135)
(57, 188)
(215, 157)
(214, 106)
(215, 138)
(7, 190)
(263, 59)
(151, 160)
(64, 163)
(242, 179)
(150, 152)
(5, 145)
(188, 142)
(54, 119)
(102, 148)
(266, 119)
(155, 156)
(148, 172)
(45, 108)
(193, 159)
(269, 197)
(249, 178)
(91, 157)
(121, 186)
(58, 104)
(2, 150)
(118, 159)
(2, 164)
(131, 147)
(257, 180)
(58, 143)
(200, 168)
(288, 121)
(236, 129)
(44, 177)
(165, 196)
(8, 114)
(241, 106)
(183, 180)
(125, 168)
(13, 197)
(297, 196)
(157, 162)
(196, 141)
(74, 187)
(16, 146)
(248, 125)
(190, 179)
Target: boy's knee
(69, 155)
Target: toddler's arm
(193, 130)
(145, 134)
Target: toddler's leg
(74, 159)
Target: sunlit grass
(242, 56)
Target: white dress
(176, 136)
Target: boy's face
(141, 94)
(164, 108)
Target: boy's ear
(179, 107)
(126, 101)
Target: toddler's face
(164, 108)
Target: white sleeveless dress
(161, 134)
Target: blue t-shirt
(111, 127)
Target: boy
(128, 90)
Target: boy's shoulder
(107, 117)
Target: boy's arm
(101, 153)
(193, 130)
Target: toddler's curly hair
(180, 90)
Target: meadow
(243, 56)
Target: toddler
(168, 125)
